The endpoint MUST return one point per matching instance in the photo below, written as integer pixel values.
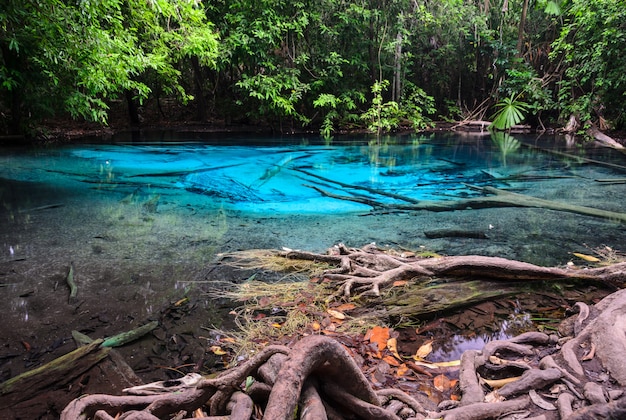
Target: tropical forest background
(323, 65)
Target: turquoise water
(224, 182)
(144, 223)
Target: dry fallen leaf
(217, 350)
(345, 307)
(499, 383)
(336, 314)
(402, 370)
(398, 283)
(451, 363)
(392, 345)
(181, 301)
(586, 257)
(391, 360)
(442, 383)
(591, 354)
(424, 350)
(379, 335)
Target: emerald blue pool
(146, 219)
(270, 192)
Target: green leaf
(511, 112)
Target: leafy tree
(382, 116)
(592, 47)
(78, 56)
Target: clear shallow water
(220, 181)
(141, 221)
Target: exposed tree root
(369, 269)
(580, 376)
(318, 379)
(317, 371)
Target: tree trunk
(133, 109)
(520, 34)
(396, 89)
(199, 99)
(12, 63)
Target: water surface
(140, 220)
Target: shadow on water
(140, 220)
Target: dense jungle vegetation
(320, 65)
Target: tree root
(317, 378)
(580, 393)
(315, 371)
(370, 269)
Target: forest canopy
(323, 65)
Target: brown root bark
(318, 373)
(318, 378)
(578, 391)
(369, 269)
(315, 373)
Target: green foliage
(337, 109)
(381, 117)
(278, 94)
(551, 7)
(62, 56)
(315, 62)
(591, 45)
(416, 105)
(510, 112)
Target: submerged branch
(500, 198)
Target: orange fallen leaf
(391, 360)
(345, 307)
(316, 326)
(379, 335)
(424, 350)
(442, 383)
(398, 283)
(217, 350)
(402, 370)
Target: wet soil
(189, 321)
